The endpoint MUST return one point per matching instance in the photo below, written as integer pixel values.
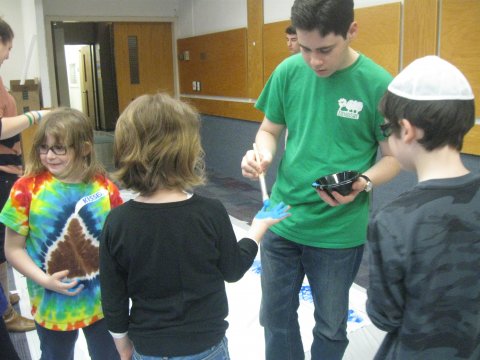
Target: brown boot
(16, 322)
(14, 298)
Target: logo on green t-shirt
(349, 109)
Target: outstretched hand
(267, 217)
(278, 212)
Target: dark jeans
(57, 345)
(330, 273)
(217, 352)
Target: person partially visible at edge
(327, 99)
(11, 125)
(53, 220)
(170, 250)
(292, 41)
(425, 245)
(10, 169)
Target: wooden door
(143, 60)
(87, 84)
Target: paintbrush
(261, 176)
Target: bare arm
(124, 347)
(17, 255)
(266, 140)
(381, 172)
(16, 124)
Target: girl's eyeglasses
(386, 129)
(56, 149)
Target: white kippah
(431, 78)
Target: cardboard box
(27, 96)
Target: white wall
(112, 8)
(31, 39)
(198, 17)
(276, 10)
(24, 28)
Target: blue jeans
(57, 345)
(330, 273)
(217, 352)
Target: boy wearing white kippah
(425, 245)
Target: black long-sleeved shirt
(172, 260)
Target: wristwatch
(369, 184)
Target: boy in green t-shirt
(327, 100)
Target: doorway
(93, 73)
(107, 46)
(72, 59)
(81, 81)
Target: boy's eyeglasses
(386, 129)
(56, 149)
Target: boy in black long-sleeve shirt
(425, 245)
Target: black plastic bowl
(340, 182)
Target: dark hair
(444, 122)
(6, 32)
(326, 16)
(290, 30)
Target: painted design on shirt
(349, 109)
(76, 248)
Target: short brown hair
(290, 30)
(157, 145)
(444, 122)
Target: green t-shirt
(333, 125)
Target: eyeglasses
(56, 149)
(386, 129)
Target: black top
(424, 271)
(172, 260)
(9, 159)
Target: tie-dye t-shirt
(62, 223)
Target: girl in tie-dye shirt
(54, 217)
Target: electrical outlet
(194, 85)
(199, 86)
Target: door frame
(53, 81)
(88, 81)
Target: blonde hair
(73, 129)
(157, 145)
